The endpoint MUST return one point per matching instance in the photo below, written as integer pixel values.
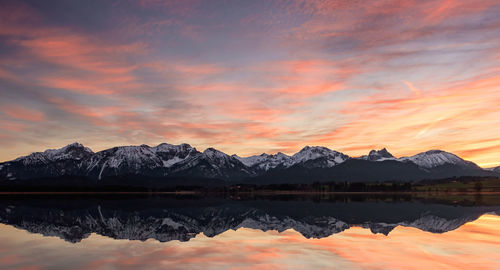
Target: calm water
(123, 232)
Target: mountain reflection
(182, 218)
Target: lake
(376, 231)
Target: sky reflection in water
(475, 245)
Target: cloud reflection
(474, 245)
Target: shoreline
(262, 192)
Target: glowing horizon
(248, 77)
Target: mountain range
(166, 162)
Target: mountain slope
(265, 162)
(53, 162)
(435, 158)
(182, 162)
(309, 157)
(318, 157)
(212, 163)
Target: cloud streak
(253, 77)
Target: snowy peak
(266, 162)
(173, 154)
(214, 153)
(218, 158)
(252, 160)
(123, 159)
(141, 159)
(310, 153)
(434, 158)
(165, 147)
(74, 151)
(212, 163)
(309, 156)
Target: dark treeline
(131, 184)
(329, 187)
(76, 186)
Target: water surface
(290, 232)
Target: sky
(249, 77)
(472, 246)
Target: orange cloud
(19, 112)
(407, 75)
(452, 118)
(79, 86)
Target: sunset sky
(248, 77)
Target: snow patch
(169, 163)
(435, 158)
(102, 169)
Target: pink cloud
(22, 113)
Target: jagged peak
(381, 151)
(164, 144)
(185, 145)
(64, 152)
(212, 152)
(313, 148)
(327, 157)
(265, 161)
(75, 144)
(68, 147)
(379, 155)
(167, 146)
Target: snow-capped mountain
(378, 155)
(309, 156)
(50, 163)
(123, 160)
(184, 161)
(171, 154)
(212, 163)
(158, 161)
(435, 158)
(137, 160)
(265, 162)
(74, 151)
(318, 156)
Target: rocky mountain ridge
(183, 160)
